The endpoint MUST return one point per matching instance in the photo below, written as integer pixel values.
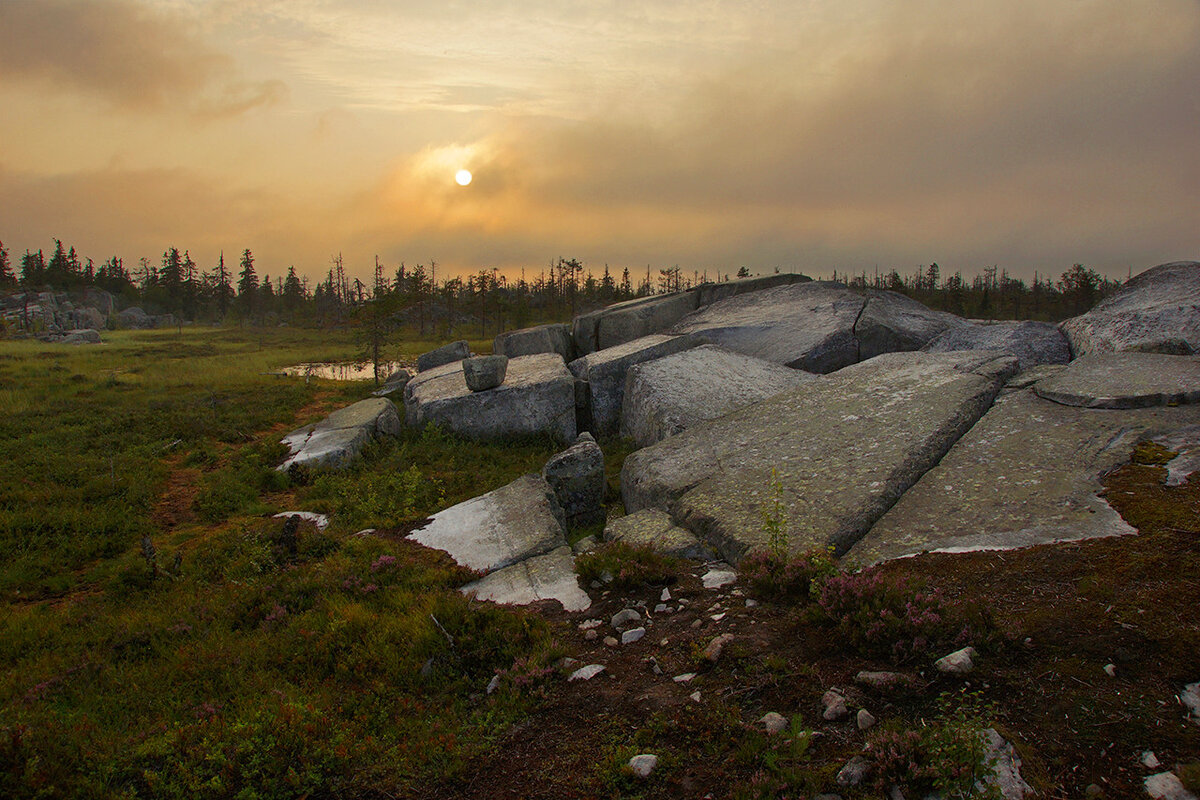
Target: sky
(806, 135)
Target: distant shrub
(626, 566)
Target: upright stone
(577, 477)
(1032, 343)
(502, 527)
(671, 394)
(605, 370)
(554, 338)
(844, 449)
(484, 372)
(1156, 311)
(446, 354)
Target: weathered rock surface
(577, 477)
(1028, 473)
(817, 326)
(712, 292)
(845, 448)
(653, 528)
(1156, 311)
(1125, 380)
(1005, 774)
(394, 384)
(546, 577)
(537, 396)
(671, 394)
(605, 371)
(510, 524)
(632, 319)
(484, 372)
(1167, 786)
(338, 439)
(1185, 443)
(554, 338)
(84, 336)
(446, 354)
(134, 317)
(1032, 343)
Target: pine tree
(7, 278)
(247, 287)
(222, 286)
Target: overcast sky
(807, 135)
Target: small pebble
(591, 636)
(695, 696)
(697, 623)
(588, 624)
(661, 608)
(586, 673)
(642, 765)
(773, 722)
(684, 678)
(665, 596)
(960, 662)
(713, 651)
(1150, 761)
(610, 641)
(865, 719)
(493, 684)
(631, 636)
(1110, 670)
(718, 617)
(626, 617)
(751, 603)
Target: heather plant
(894, 619)
(780, 576)
(626, 566)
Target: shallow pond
(343, 371)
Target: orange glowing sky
(815, 135)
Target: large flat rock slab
(1028, 473)
(545, 577)
(672, 394)
(339, 438)
(816, 326)
(604, 371)
(1156, 311)
(553, 338)
(632, 319)
(1125, 380)
(1032, 343)
(502, 527)
(537, 396)
(844, 449)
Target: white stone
(773, 722)
(716, 578)
(684, 678)
(624, 617)
(695, 696)
(586, 673)
(642, 765)
(320, 520)
(1149, 760)
(1167, 786)
(631, 636)
(960, 662)
(545, 577)
(666, 595)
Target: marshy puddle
(342, 371)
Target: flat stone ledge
(545, 577)
(1125, 380)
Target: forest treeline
(485, 302)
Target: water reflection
(343, 371)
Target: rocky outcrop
(134, 317)
(555, 338)
(338, 439)
(537, 396)
(515, 522)
(633, 319)
(1032, 343)
(653, 528)
(816, 326)
(712, 292)
(545, 577)
(604, 373)
(577, 477)
(843, 449)
(1156, 311)
(446, 354)
(671, 394)
(395, 383)
(1125, 380)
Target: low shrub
(772, 575)
(627, 566)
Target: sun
(462, 177)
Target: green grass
(231, 664)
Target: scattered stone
(1006, 767)
(1093, 791)
(577, 477)
(833, 706)
(684, 678)
(882, 680)
(855, 772)
(1190, 697)
(642, 765)
(695, 696)
(661, 608)
(751, 602)
(844, 449)
(553, 338)
(666, 594)
(718, 617)
(493, 684)
(610, 641)
(865, 719)
(652, 662)
(1110, 670)
(1124, 380)
(671, 394)
(446, 354)
(632, 635)
(484, 372)
(81, 336)
(1156, 311)
(504, 526)
(713, 651)
(545, 577)
(653, 528)
(1167, 786)
(697, 623)
(588, 624)
(337, 440)
(715, 578)
(1032, 343)
(625, 617)
(319, 520)
(591, 636)
(537, 396)
(1149, 760)
(960, 662)
(586, 673)
(773, 722)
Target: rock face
(845, 449)
(554, 338)
(134, 317)
(537, 396)
(712, 292)
(1032, 343)
(632, 319)
(1125, 380)
(505, 526)
(545, 577)
(446, 354)
(577, 477)
(653, 528)
(338, 439)
(817, 326)
(671, 394)
(604, 371)
(394, 384)
(484, 372)
(1157, 311)
(1028, 473)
